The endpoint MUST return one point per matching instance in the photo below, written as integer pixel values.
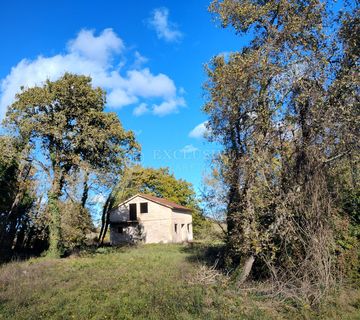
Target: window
(144, 207)
(132, 209)
(188, 227)
(182, 226)
(175, 227)
(120, 230)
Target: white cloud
(189, 149)
(141, 109)
(95, 48)
(145, 84)
(199, 131)
(164, 28)
(94, 56)
(139, 60)
(168, 106)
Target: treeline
(286, 111)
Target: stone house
(150, 219)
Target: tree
(67, 129)
(272, 108)
(17, 198)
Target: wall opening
(143, 207)
(133, 214)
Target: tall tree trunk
(105, 218)
(55, 248)
(85, 193)
(20, 236)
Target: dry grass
(148, 282)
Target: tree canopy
(65, 129)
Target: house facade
(151, 220)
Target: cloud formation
(95, 56)
(165, 29)
(141, 109)
(200, 131)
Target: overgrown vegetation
(146, 282)
(286, 111)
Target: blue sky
(147, 55)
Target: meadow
(144, 282)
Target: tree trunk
(246, 269)
(85, 193)
(103, 220)
(8, 240)
(54, 194)
(20, 237)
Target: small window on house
(120, 229)
(175, 227)
(144, 207)
(188, 227)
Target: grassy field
(147, 282)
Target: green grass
(147, 282)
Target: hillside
(147, 282)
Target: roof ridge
(164, 201)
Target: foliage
(285, 110)
(75, 224)
(64, 125)
(21, 230)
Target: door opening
(133, 215)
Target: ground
(146, 282)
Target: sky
(148, 56)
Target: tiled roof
(164, 202)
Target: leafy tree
(283, 110)
(157, 182)
(67, 129)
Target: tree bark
(85, 193)
(54, 194)
(246, 269)
(104, 219)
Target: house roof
(161, 201)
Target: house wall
(128, 235)
(158, 225)
(184, 231)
